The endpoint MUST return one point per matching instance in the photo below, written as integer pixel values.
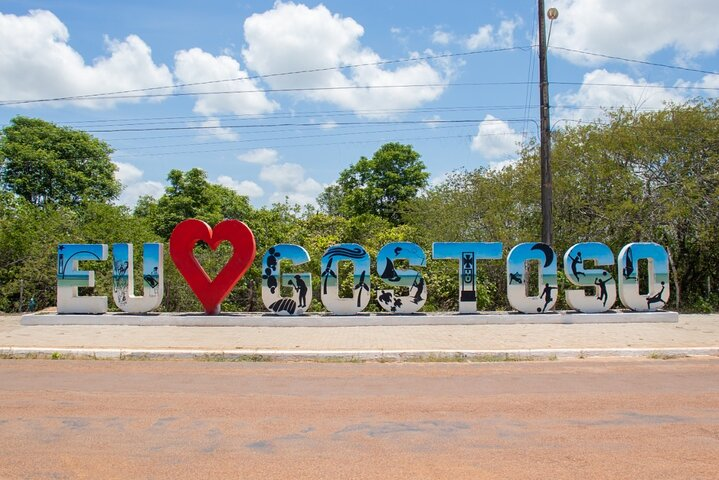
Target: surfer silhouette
(628, 269)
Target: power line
(124, 94)
(305, 124)
(422, 138)
(373, 87)
(272, 90)
(320, 113)
(276, 115)
(632, 60)
(638, 85)
(95, 96)
(262, 139)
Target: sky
(274, 100)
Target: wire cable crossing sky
(305, 89)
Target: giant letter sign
(605, 293)
(387, 271)
(594, 289)
(123, 282)
(467, 253)
(273, 279)
(658, 276)
(330, 279)
(69, 278)
(547, 278)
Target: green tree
(50, 165)
(637, 176)
(29, 237)
(377, 186)
(191, 195)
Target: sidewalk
(692, 335)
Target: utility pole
(545, 139)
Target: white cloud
(195, 65)
(259, 156)
(292, 37)
(596, 91)
(708, 81)
(495, 139)
(441, 37)
(481, 39)
(127, 173)
(133, 187)
(329, 125)
(499, 166)
(244, 187)
(487, 37)
(636, 28)
(36, 61)
(213, 128)
(290, 181)
(131, 193)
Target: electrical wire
(632, 60)
(125, 94)
(255, 77)
(305, 124)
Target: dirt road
(574, 419)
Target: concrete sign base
(356, 320)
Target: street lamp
(545, 139)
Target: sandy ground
(631, 419)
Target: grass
(457, 357)
(665, 356)
(211, 357)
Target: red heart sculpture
(182, 243)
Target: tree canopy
(379, 185)
(191, 195)
(50, 165)
(635, 176)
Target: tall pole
(544, 149)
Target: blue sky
(458, 91)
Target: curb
(257, 355)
